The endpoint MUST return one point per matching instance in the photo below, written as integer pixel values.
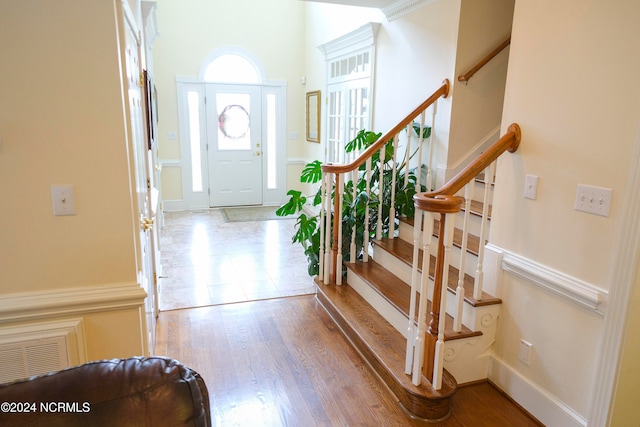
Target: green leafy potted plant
(354, 208)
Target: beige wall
(62, 122)
(569, 89)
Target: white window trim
(362, 40)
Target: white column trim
(624, 278)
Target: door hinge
(148, 184)
(142, 79)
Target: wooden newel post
(434, 319)
(335, 249)
(443, 205)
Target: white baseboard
(538, 402)
(174, 206)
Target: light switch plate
(63, 199)
(531, 187)
(595, 200)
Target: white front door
(234, 140)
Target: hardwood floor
(283, 362)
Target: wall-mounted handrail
(465, 77)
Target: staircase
(422, 334)
(372, 310)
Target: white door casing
(136, 124)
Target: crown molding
(361, 38)
(403, 7)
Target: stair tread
(398, 294)
(404, 251)
(384, 348)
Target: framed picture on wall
(313, 116)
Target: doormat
(253, 213)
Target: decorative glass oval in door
(234, 120)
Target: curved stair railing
(433, 215)
(335, 176)
(425, 343)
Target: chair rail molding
(575, 290)
(70, 301)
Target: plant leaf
(295, 204)
(312, 172)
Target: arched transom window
(231, 68)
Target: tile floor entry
(207, 261)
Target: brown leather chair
(140, 391)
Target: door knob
(147, 224)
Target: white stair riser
(471, 262)
(397, 319)
(403, 271)
(466, 358)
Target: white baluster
(354, 180)
(468, 196)
(365, 255)
(323, 226)
(430, 185)
(418, 350)
(407, 154)
(488, 179)
(420, 154)
(392, 207)
(411, 328)
(380, 190)
(338, 213)
(438, 365)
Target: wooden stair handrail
(484, 61)
(508, 142)
(442, 91)
(444, 201)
